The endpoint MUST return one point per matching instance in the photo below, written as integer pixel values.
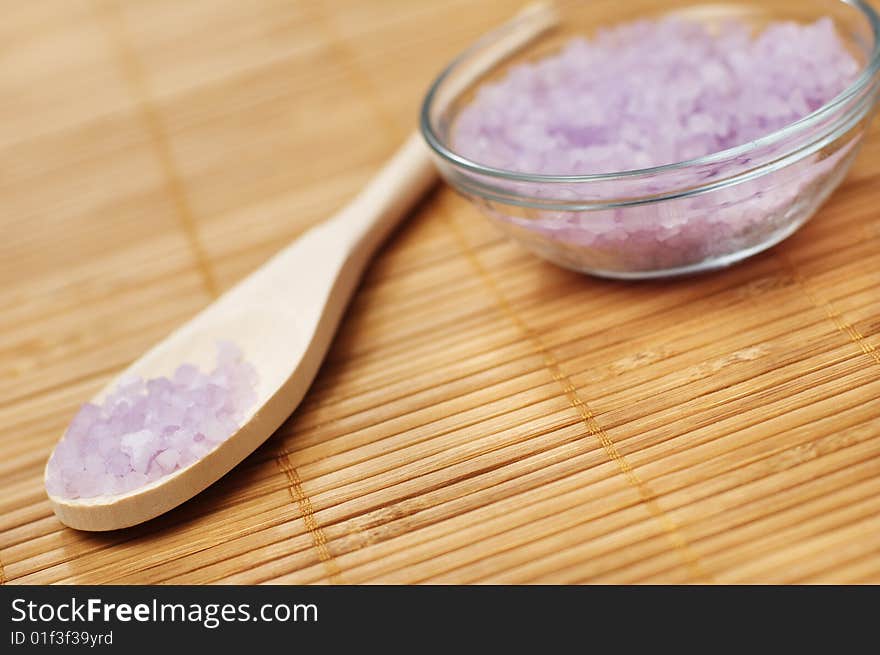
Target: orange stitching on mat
(840, 323)
(319, 540)
(346, 57)
(133, 72)
(646, 494)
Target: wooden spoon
(282, 317)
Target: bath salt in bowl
(635, 143)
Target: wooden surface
(482, 416)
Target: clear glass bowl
(716, 210)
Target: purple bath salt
(654, 93)
(647, 93)
(145, 430)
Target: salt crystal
(145, 430)
(139, 446)
(168, 459)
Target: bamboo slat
(483, 416)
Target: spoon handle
(362, 225)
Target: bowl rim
(865, 79)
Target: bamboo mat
(483, 416)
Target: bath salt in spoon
(203, 399)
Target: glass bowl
(681, 218)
